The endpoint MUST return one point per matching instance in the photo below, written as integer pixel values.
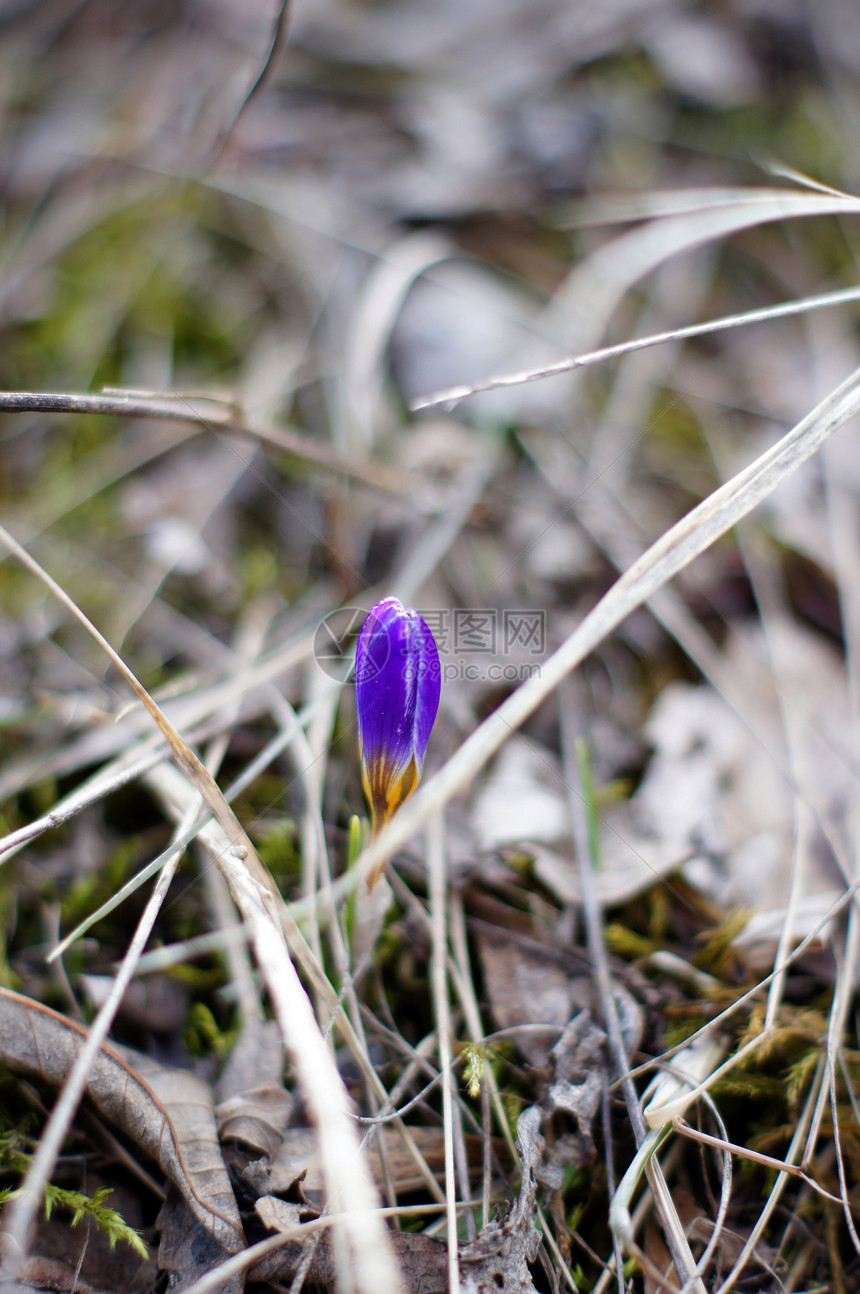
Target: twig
(178, 409)
(756, 1156)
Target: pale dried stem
(437, 865)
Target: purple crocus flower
(397, 685)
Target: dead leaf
(529, 985)
(258, 1118)
(298, 1159)
(579, 1064)
(713, 795)
(257, 1059)
(279, 1215)
(497, 1259)
(51, 1274)
(423, 1262)
(166, 1112)
(254, 1108)
(187, 1250)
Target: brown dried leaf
(578, 1061)
(187, 1250)
(258, 1118)
(298, 1158)
(51, 1274)
(254, 1107)
(423, 1262)
(529, 986)
(167, 1112)
(498, 1258)
(278, 1215)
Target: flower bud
(397, 686)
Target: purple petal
(397, 686)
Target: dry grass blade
(436, 854)
(669, 555)
(619, 208)
(603, 278)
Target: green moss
(277, 844)
(13, 1158)
(627, 943)
(203, 1034)
(790, 126)
(716, 951)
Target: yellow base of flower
(385, 794)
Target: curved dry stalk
(725, 1194)
(277, 45)
(602, 278)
